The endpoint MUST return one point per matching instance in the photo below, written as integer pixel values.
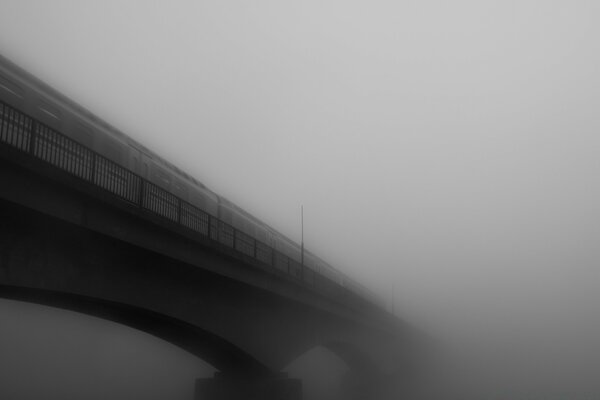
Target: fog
(445, 149)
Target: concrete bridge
(73, 243)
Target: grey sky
(449, 147)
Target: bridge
(75, 238)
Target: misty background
(447, 149)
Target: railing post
(32, 137)
(93, 168)
(178, 211)
(141, 193)
(209, 226)
(218, 229)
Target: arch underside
(355, 358)
(221, 354)
(232, 325)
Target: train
(25, 100)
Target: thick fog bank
(446, 149)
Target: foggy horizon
(448, 150)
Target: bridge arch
(354, 358)
(216, 351)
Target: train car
(72, 138)
(252, 234)
(57, 113)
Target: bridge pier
(226, 387)
(362, 386)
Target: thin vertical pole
(393, 311)
(302, 242)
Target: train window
(10, 87)
(261, 235)
(112, 151)
(239, 222)
(160, 177)
(199, 200)
(249, 227)
(226, 216)
(179, 189)
(84, 135)
(136, 164)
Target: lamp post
(302, 241)
(393, 313)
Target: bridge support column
(223, 387)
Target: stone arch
(216, 351)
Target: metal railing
(24, 133)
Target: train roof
(89, 116)
(86, 114)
